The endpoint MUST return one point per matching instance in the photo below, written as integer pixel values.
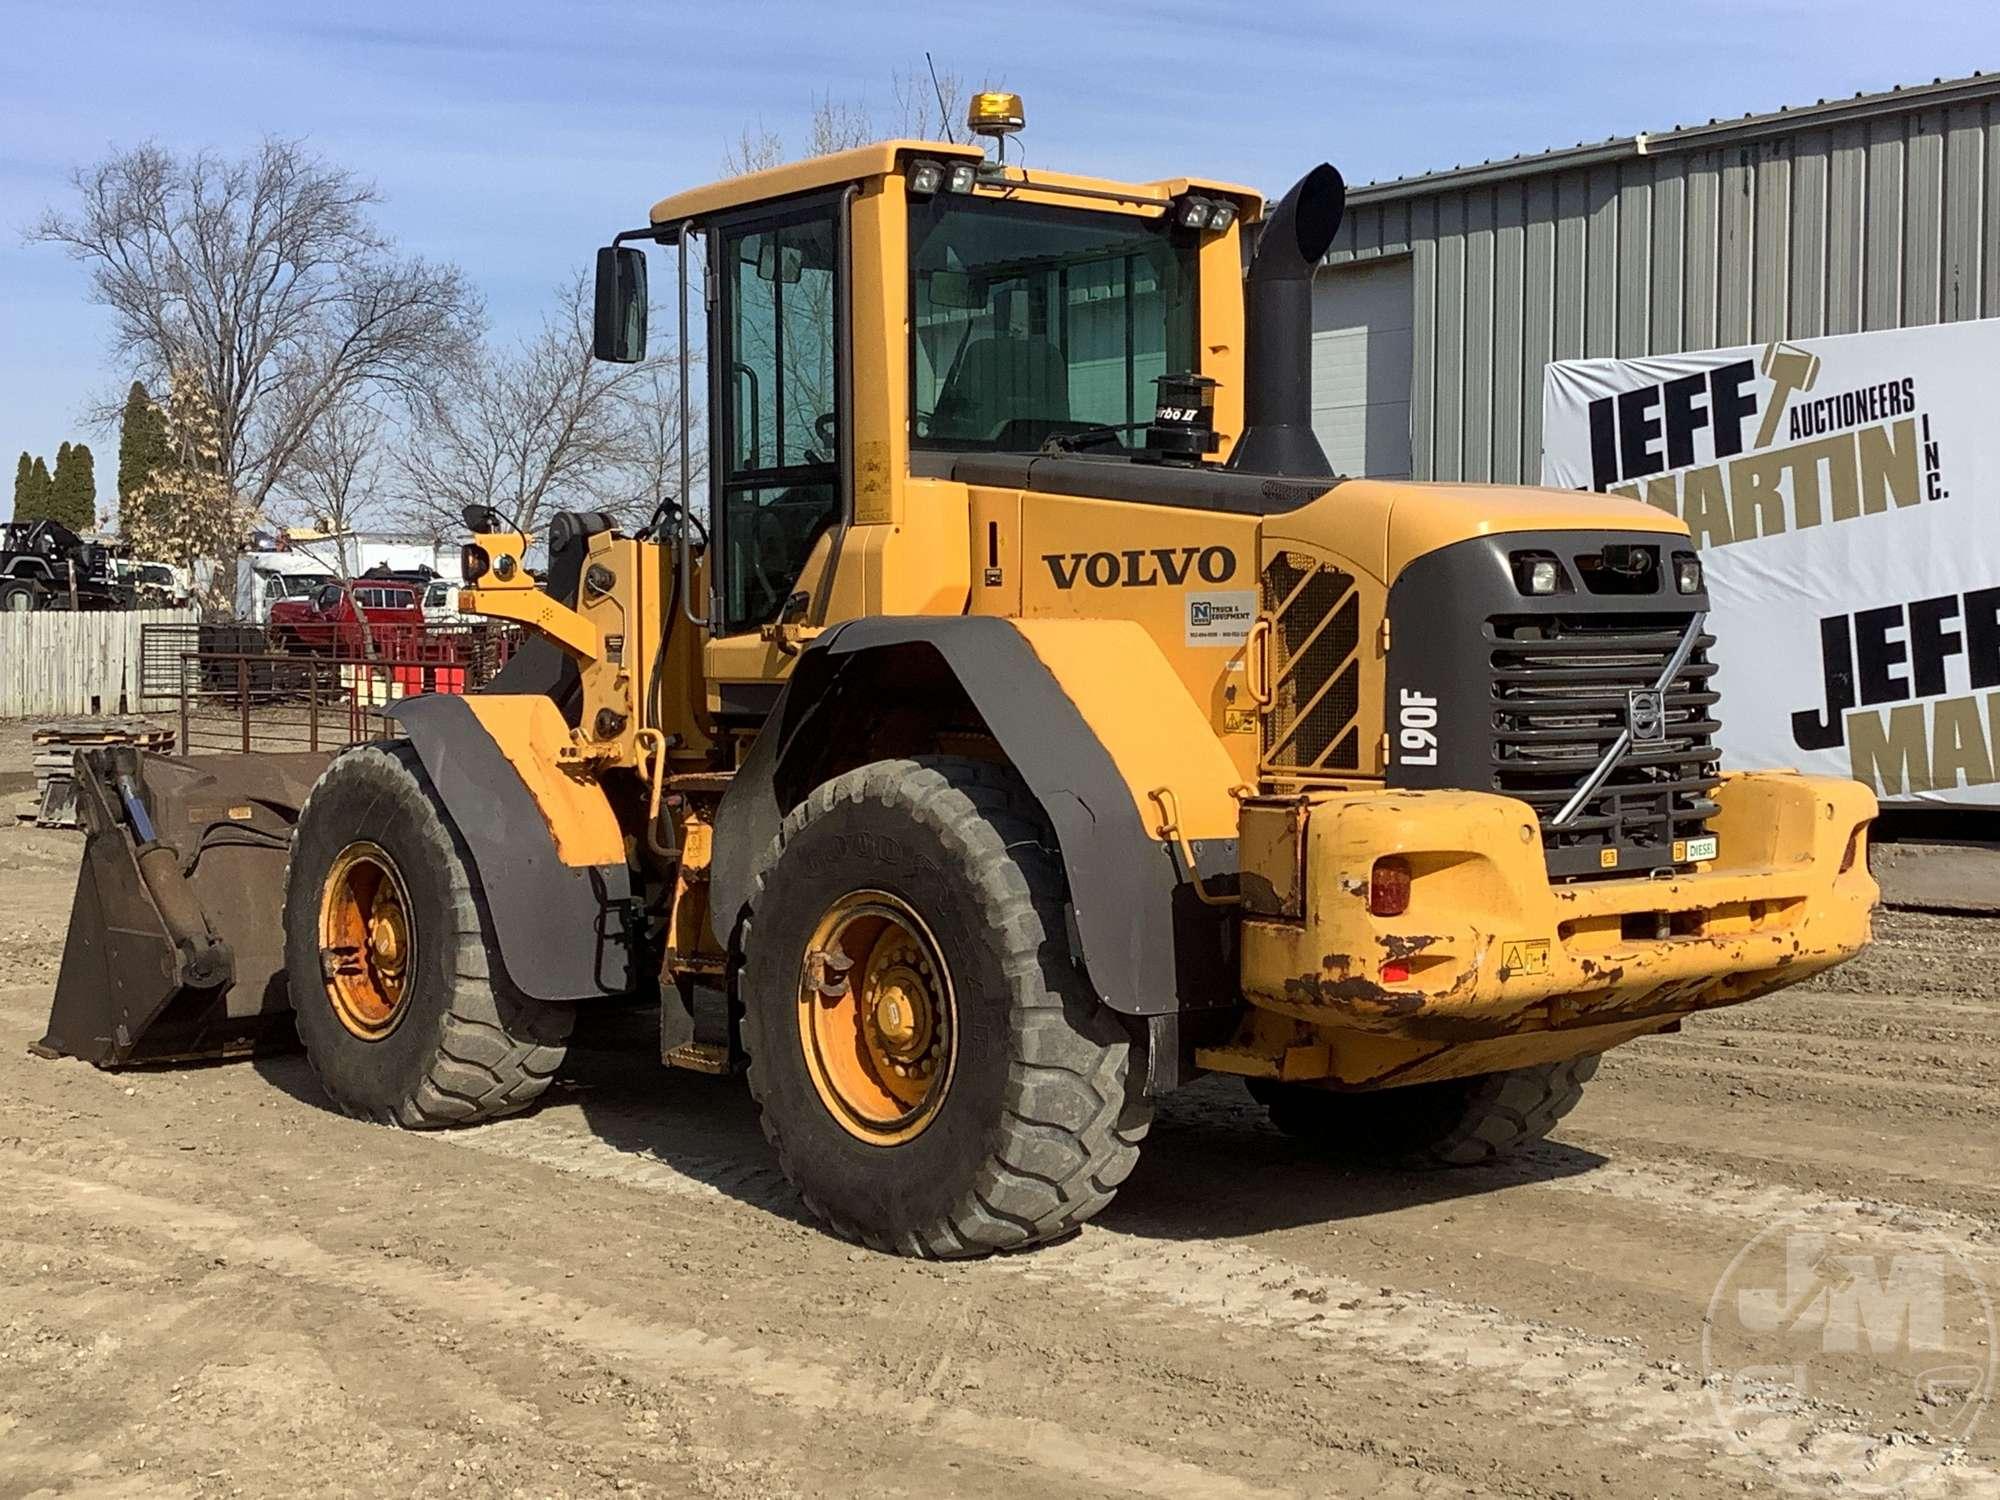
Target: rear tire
(1032, 1113)
(16, 597)
(1459, 1122)
(450, 1042)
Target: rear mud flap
(176, 937)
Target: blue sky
(512, 137)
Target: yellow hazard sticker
(872, 497)
(1607, 859)
(1239, 721)
(1524, 956)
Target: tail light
(1389, 887)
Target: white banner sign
(1841, 492)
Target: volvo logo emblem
(1646, 715)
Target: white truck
(263, 578)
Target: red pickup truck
(328, 621)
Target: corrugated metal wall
(1884, 222)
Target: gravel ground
(212, 1285)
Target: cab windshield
(1032, 322)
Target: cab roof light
(925, 177)
(994, 113)
(1202, 215)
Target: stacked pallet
(56, 742)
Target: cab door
(319, 626)
(779, 346)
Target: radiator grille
(1559, 702)
(1315, 666)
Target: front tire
(934, 1072)
(1458, 1122)
(403, 1014)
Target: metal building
(1447, 293)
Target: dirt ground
(211, 1285)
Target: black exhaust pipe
(1277, 366)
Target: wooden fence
(57, 662)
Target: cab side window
(779, 488)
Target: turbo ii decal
(1141, 567)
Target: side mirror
(483, 518)
(619, 331)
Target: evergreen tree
(73, 491)
(142, 448)
(34, 505)
(24, 486)
(85, 464)
(50, 503)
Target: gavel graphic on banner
(1790, 370)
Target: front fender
(545, 847)
(1092, 717)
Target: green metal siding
(1875, 216)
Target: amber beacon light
(995, 114)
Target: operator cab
(878, 315)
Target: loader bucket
(176, 944)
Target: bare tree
(924, 108)
(543, 427)
(834, 125)
(335, 480)
(266, 280)
(652, 422)
(753, 150)
(930, 108)
(838, 125)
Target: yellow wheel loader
(1033, 725)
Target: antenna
(944, 115)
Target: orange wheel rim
(877, 1018)
(366, 940)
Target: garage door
(1361, 367)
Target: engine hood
(1386, 524)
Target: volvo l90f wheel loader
(1036, 725)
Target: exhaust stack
(1277, 397)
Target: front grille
(1559, 685)
(1315, 666)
